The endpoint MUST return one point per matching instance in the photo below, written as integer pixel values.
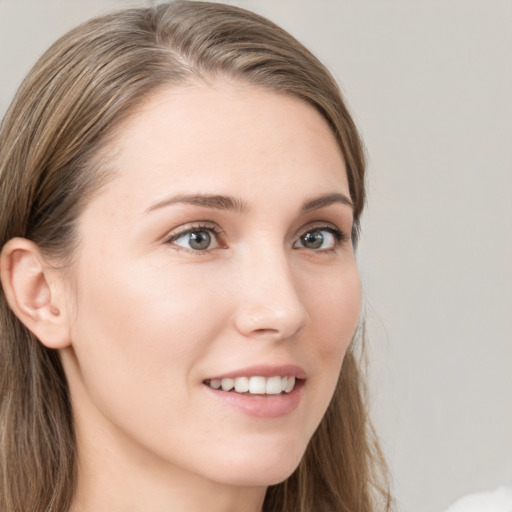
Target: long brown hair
(77, 93)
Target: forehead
(224, 136)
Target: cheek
(335, 309)
(141, 330)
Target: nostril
(266, 331)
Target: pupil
(200, 240)
(313, 240)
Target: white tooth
(273, 386)
(289, 384)
(284, 380)
(227, 384)
(215, 383)
(257, 385)
(242, 384)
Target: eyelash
(340, 237)
(195, 228)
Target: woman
(180, 192)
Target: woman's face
(219, 254)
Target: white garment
(499, 500)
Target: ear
(35, 292)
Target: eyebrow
(326, 200)
(217, 202)
(221, 202)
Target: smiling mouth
(255, 385)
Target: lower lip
(261, 406)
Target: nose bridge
(269, 302)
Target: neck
(133, 495)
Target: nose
(269, 302)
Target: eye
(320, 239)
(196, 238)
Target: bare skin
(223, 242)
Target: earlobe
(34, 292)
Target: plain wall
(430, 85)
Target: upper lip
(284, 370)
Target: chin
(263, 468)
(253, 476)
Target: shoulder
(499, 500)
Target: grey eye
(312, 240)
(319, 239)
(198, 240)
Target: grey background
(430, 85)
